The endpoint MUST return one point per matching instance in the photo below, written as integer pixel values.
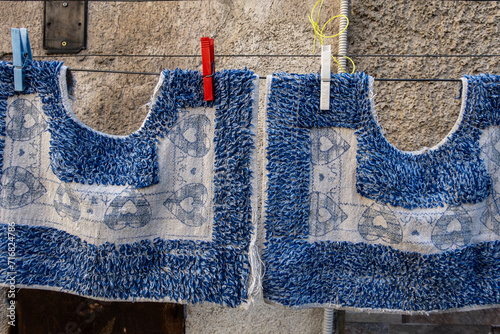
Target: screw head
(65, 4)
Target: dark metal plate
(65, 26)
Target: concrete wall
(413, 114)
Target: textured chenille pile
(168, 212)
(352, 222)
(164, 213)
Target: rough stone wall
(413, 114)
(421, 114)
(112, 102)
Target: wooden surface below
(60, 313)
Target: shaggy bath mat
(162, 214)
(354, 223)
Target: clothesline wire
(277, 55)
(260, 77)
(202, 0)
(264, 55)
(141, 0)
(198, 0)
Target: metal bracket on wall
(65, 26)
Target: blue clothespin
(21, 54)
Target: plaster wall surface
(413, 114)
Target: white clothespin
(326, 54)
(21, 54)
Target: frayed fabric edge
(286, 230)
(255, 279)
(240, 241)
(382, 311)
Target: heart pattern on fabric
(453, 229)
(129, 209)
(19, 188)
(191, 135)
(188, 204)
(26, 121)
(325, 215)
(326, 146)
(66, 203)
(379, 222)
(491, 215)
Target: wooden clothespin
(326, 53)
(21, 54)
(207, 57)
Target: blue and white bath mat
(163, 214)
(354, 223)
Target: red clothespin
(207, 57)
